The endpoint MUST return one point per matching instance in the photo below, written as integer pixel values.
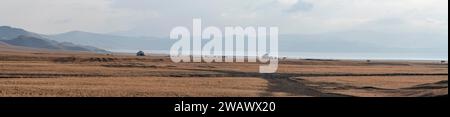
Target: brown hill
(4, 47)
(41, 43)
(20, 37)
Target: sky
(158, 17)
(410, 24)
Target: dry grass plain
(37, 73)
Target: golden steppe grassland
(37, 73)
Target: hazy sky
(158, 17)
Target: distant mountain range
(4, 47)
(416, 43)
(113, 42)
(7, 33)
(35, 42)
(23, 38)
(337, 42)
